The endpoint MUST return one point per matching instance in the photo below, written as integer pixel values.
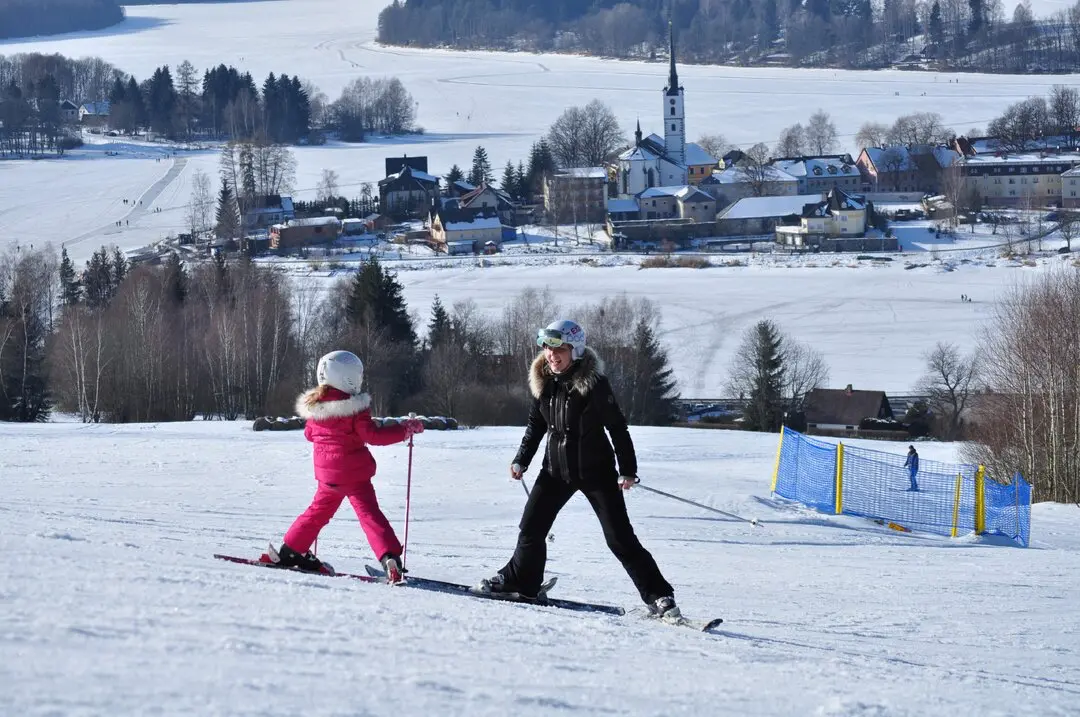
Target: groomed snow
(112, 603)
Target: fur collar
(586, 371)
(309, 407)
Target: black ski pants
(525, 571)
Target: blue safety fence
(945, 498)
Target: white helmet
(562, 332)
(341, 369)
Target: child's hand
(413, 426)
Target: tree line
(221, 103)
(25, 18)
(860, 34)
(231, 339)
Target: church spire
(637, 134)
(673, 77)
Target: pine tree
(133, 96)
(653, 386)
(176, 278)
(440, 328)
(227, 224)
(97, 279)
(481, 168)
(454, 175)
(376, 301)
(509, 179)
(116, 93)
(522, 182)
(763, 413)
(70, 289)
(541, 164)
(119, 270)
(936, 26)
(161, 101)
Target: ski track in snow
(114, 605)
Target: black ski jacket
(574, 409)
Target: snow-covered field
(503, 101)
(872, 323)
(112, 603)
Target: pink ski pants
(326, 502)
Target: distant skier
(573, 406)
(912, 464)
(340, 427)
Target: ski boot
(286, 557)
(497, 585)
(395, 573)
(665, 608)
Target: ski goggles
(550, 337)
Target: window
(1012, 181)
(672, 101)
(673, 127)
(673, 111)
(997, 180)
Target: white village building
(666, 161)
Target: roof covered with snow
(768, 207)
(616, 206)
(891, 159)
(740, 175)
(475, 224)
(653, 192)
(313, 222)
(639, 152)
(689, 195)
(814, 167)
(584, 172)
(697, 156)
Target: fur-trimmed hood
(585, 372)
(309, 407)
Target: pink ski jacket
(340, 427)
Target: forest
(958, 35)
(25, 18)
(186, 103)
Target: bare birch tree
(949, 383)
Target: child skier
(912, 464)
(340, 427)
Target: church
(668, 161)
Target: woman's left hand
(628, 482)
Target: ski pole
(408, 498)
(753, 521)
(551, 536)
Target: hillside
(26, 18)
(114, 605)
(853, 34)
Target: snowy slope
(113, 605)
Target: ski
(265, 561)
(682, 621)
(458, 589)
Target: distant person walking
(912, 464)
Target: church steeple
(673, 76)
(637, 134)
(674, 111)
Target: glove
(516, 471)
(413, 426)
(628, 482)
